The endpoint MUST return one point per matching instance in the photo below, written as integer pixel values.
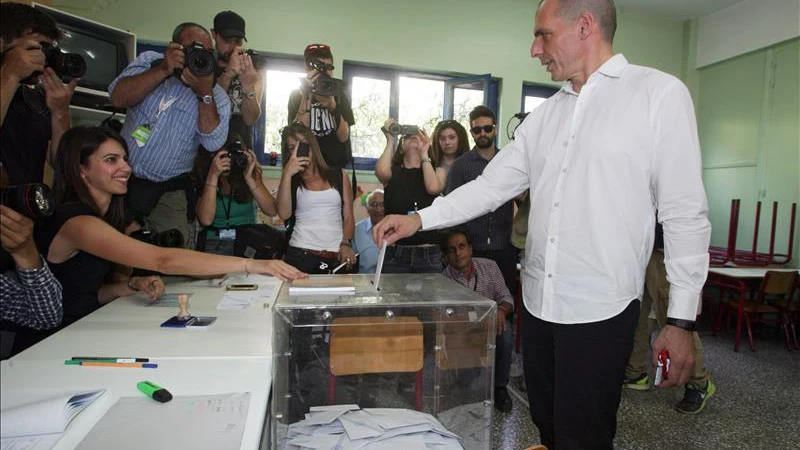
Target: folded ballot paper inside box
(323, 285)
(43, 420)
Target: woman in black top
(412, 179)
(84, 241)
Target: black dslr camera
(33, 200)
(324, 85)
(259, 60)
(198, 60)
(237, 155)
(67, 66)
(169, 239)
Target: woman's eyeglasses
(486, 129)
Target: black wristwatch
(688, 325)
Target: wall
(746, 26)
(748, 120)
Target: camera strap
(226, 208)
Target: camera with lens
(237, 155)
(169, 238)
(198, 60)
(33, 200)
(396, 129)
(325, 85)
(259, 60)
(67, 66)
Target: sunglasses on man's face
(486, 129)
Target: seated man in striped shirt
(483, 276)
(171, 112)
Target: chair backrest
(375, 345)
(782, 283)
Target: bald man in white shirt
(617, 142)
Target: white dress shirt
(599, 164)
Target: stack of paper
(42, 422)
(323, 285)
(348, 427)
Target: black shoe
(502, 401)
(695, 397)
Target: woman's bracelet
(211, 184)
(246, 261)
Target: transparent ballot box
(413, 361)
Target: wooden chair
(772, 304)
(361, 345)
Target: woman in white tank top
(322, 221)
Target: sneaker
(502, 401)
(640, 382)
(695, 397)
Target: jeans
(413, 259)
(504, 344)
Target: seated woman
(412, 180)
(317, 204)
(84, 240)
(449, 142)
(226, 197)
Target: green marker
(154, 391)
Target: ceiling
(678, 9)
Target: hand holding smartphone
(662, 370)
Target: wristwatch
(687, 325)
(426, 160)
(207, 99)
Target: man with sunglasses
(615, 144)
(35, 111)
(328, 117)
(490, 233)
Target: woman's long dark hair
(461, 132)
(235, 178)
(74, 150)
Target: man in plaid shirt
(483, 276)
(32, 298)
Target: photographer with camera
(174, 106)
(34, 101)
(412, 179)
(237, 74)
(321, 105)
(232, 180)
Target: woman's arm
(207, 203)
(383, 167)
(152, 285)
(434, 178)
(348, 223)
(92, 235)
(294, 166)
(252, 176)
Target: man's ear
(586, 25)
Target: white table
(128, 327)
(233, 355)
(25, 381)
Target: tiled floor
(756, 406)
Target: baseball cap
(228, 23)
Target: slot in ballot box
(422, 343)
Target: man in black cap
(237, 75)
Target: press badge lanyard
(143, 132)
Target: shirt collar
(612, 68)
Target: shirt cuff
(683, 303)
